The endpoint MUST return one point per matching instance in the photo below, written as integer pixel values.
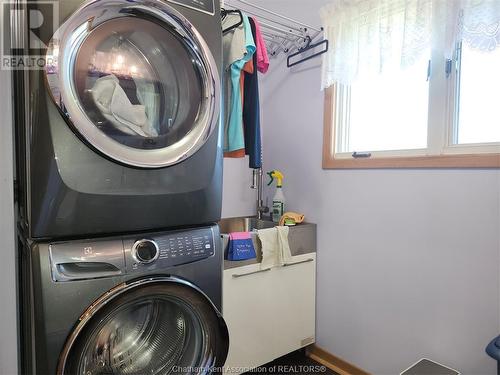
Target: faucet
(257, 183)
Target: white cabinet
(269, 313)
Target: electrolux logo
(27, 29)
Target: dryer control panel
(159, 251)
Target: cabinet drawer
(269, 313)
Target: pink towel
(240, 235)
(262, 57)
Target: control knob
(145, 251)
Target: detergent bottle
(279, 198)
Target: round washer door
(135, 80)
(152, 326)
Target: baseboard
(333, 362)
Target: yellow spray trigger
(278, 175)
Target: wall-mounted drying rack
(224, 12)
(298, 40)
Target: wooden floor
(295, 363)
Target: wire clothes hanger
(297, 40)
(225, 12)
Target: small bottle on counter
(279, 198)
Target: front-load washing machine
(141, 304)
(120, 130)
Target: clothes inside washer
(114, 104)
(142, 338)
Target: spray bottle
(279, 197)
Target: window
(434, 112)
(478, 113)
(385, 112)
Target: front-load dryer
(120, 130)
(137, 304)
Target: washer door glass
(163, 328)
(136, 81)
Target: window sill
(442, 161)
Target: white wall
(8, 331)
(238, 198)
(408, 262)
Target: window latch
(360, 155)
(448, 68)
(429, 71)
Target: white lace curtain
(370, 36)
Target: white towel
(285, 254)
(115, 106)
(275, 247)
(270, 248)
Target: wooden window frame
(479, 160)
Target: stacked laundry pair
(245, 54)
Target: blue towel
(240, 246)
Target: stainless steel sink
(243, 224)
(302, 238)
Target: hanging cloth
(262, 56)
(248, 68)
(251, 110)
(239, 48)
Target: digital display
(205, 6)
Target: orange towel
(298, 218)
